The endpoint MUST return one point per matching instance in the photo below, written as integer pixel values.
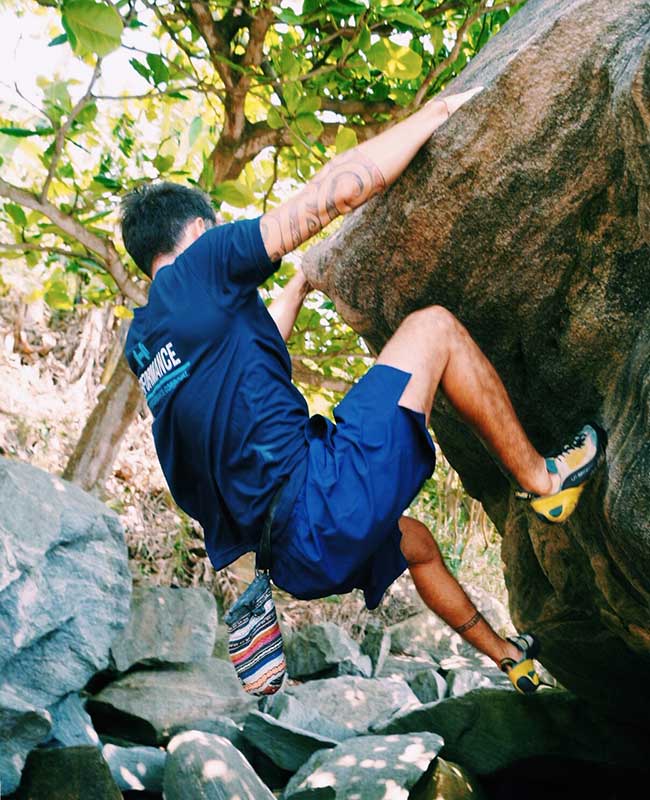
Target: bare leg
(444, 595)
(436, 349)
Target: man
(231, 429)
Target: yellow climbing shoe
(523, 674)
(575, 463)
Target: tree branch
(455, 51)
(24, 247)
(303, 374)
(61, 133)
(217, 45)
(104, 248)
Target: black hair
(154, 217)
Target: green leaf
(57, 297)
(178, 95)
(92, 26)
(234, 193)
(407, 16)
(159, 69)
(109, 183)
(292, 96)
(140, 68)
(345, 139)
(288, 64)
(122, 312)
(195, 129)
(289, 16)
(62, 38)
(274, 119)
(16, 213)
(163, 163)
(87, 115)
(437, 37)
(308, 104)
(308, 125)
(395, 60)
(23, 133)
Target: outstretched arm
(353, 177)
(286, 307)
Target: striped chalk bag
(254, 637)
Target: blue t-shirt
(229, 425)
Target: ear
(197, 228)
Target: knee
(418, 545)
(436, 319)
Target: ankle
(508, 650)
(542, 482)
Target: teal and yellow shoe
(574, 464)
(522, 673)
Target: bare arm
(352, 178)
(285, 308)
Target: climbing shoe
(575, 463)
(522, 673)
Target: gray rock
(221, 726)
(167, 626)
(22, 727)
(290, 710)
(324, 649)
(67, 773)
(556, 293)
(366, 768)
(376, 645)
(202, 766)
(420, 673)
(71, 725)
(355, 703)
(136, 768)
(64, 590)
(407, 667)
(462, 681)
(428, 686)
(145, 705)
(489, 729)
(287, 746)
(220, 649)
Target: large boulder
(145, 706)
(67, 773)
(203, 766)
(528, 216)
(64, 595)
(489, 730)
(355, 703)
(167, 626)
(324, 650)
(366, 768)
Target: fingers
(455, 101)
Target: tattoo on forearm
(470, 623)
(345, 183)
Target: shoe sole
(556, 508)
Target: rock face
(528, 216)
(64, 595)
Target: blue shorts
(342, 531)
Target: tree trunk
(93, 457)
(528, 216)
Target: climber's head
(163, 219)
